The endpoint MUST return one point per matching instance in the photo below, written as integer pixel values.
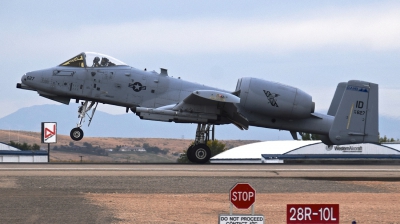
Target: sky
(311, 45)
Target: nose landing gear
(76, 134)
(199, 152)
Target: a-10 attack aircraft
(94, 78)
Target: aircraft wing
(214, 102)
(203, 106)
(206, 101)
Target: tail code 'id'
(355, 107)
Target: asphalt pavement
(55, 193)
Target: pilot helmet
(104, 61)
(96, 60)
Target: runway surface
(55, 193)
(359, 172)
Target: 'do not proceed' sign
(242, 196)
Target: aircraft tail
(355, 107)
(337, 98)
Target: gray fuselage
(129, 87)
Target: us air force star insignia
(271, 98)
(137, 86)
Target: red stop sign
(242, 195)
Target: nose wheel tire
(200, 153)
(76, 134)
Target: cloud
(366, 29)
(372, 28)
(389, 104)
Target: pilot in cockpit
(106, 62)
(96, 62)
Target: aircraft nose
(29, 80)
(29, 77)
(36, 80)
(23, 78)
(23, 84)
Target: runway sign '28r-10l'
(312, 213)
(49, 132)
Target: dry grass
(204, 208)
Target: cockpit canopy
(92, 59)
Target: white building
(278, 151)
(9, 154)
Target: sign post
(242, 196)
(49, 135)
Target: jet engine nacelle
(274, 99)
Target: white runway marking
(194, 170)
